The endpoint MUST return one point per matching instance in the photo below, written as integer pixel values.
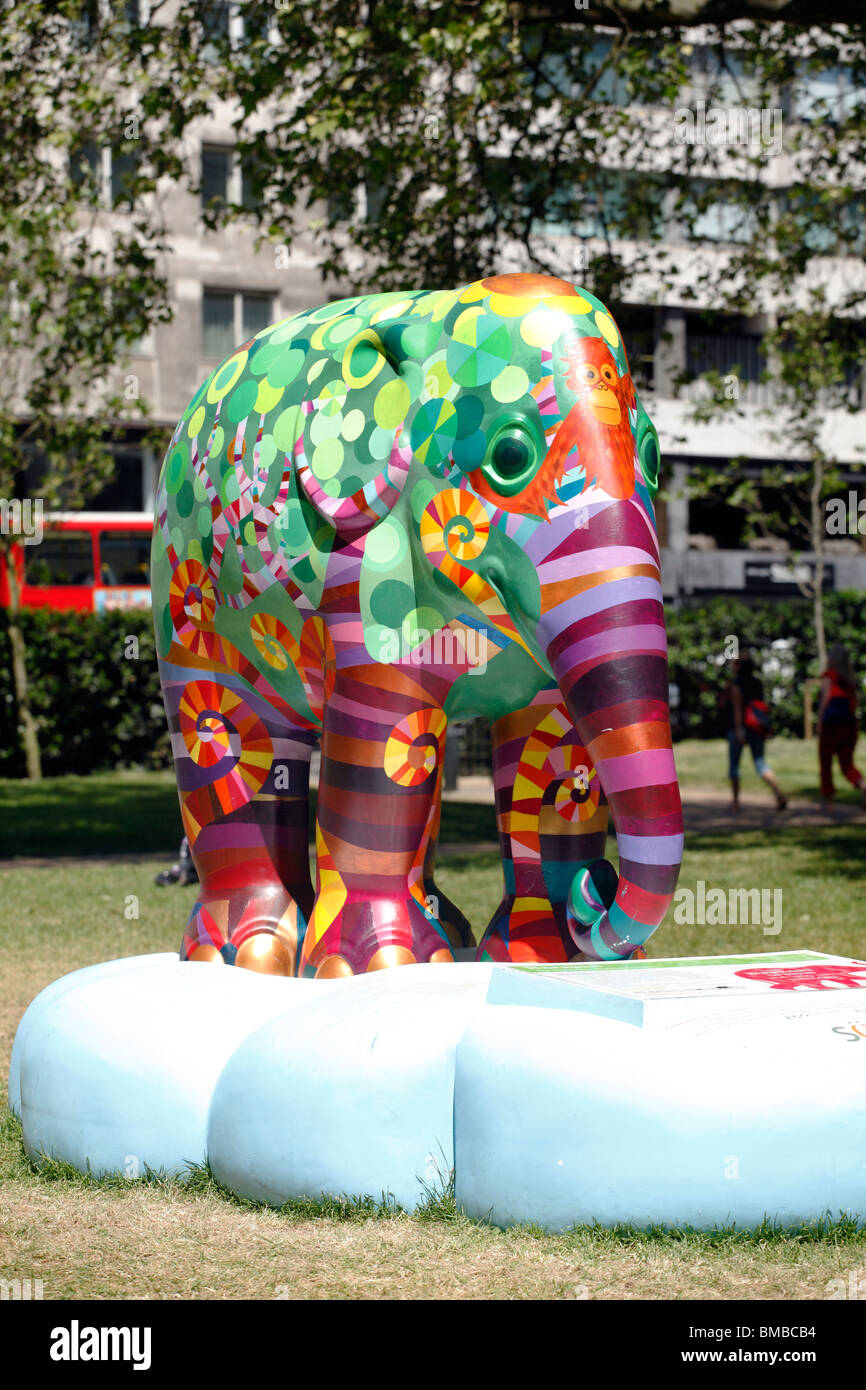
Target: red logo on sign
(808, 976)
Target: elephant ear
(353, 450)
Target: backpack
(757, 718)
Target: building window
(343, 204)
(257, 312)
(124, 169)
(132, 12)
(224, 180)
(85, 164)
(636, 323)
(233, 317)
(111, 173)
(215, 22)
(216, 171)
(84, 23)
(724, 345)
(714, 520)
(218, 323)
(720, 77)
(822, 93)
(722, 353)
(622, 205)
(124, 492)
(376, 193)
(707, 211)
(250, 201)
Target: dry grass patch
(149, 1244)
(166, 1240)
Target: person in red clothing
(748, 723)
(837, 723)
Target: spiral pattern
(455, 523)
(579, 791)
(273, 641)
(222, 734)
(192, 603)
(412, 751)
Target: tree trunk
(818, 525)
(26, 722)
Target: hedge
(98, 705)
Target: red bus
(93, 561)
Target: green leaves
(94, 707)
(697, 637)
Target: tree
(792, 196)
(429, 142)
(80, 284)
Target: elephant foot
(526, 931)
(258, 931)
(373, 934)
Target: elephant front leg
(243, 778)
(378, 794)
(552, 820)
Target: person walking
(748, 724)
(837, 724)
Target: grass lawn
(167, 1240)
(703, 763)
(137, 812)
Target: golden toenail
(265, 953)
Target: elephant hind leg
(552, 820)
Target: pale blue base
(380, 1085)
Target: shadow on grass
(107, 813)
(138, 813)
(841, 847)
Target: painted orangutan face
(591, 374)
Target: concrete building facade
(224, 287)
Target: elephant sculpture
(378, 515)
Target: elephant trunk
(607, 648)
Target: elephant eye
(512, 458)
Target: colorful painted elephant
(376, 516)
